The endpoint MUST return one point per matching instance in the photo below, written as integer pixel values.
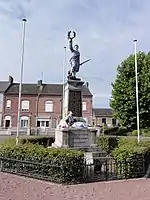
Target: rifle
(85, 62)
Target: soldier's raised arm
(70, 45)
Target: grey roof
(3, 86)
(102, 112)
(49, 89)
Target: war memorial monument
(80, 137)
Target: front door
(7, 123)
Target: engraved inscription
(75, 103)
(79, 139)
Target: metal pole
(137, 97)
(20, 84)
(64, 68)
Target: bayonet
(85, 62)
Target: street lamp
(137, 96)
(64, 74)
(20, 84)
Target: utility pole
(21, 76)
(137, 91)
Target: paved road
(19, 188)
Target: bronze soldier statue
(75, 59)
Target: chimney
(87, 84)
(11, 79)
(39, 82)
(40, 85)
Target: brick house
(3, 86)
(103, 116)
(41, 105)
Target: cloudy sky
(105, 32)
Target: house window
(24, 122)
(103, 120)
(7, 121)
(8, 104)
(113, 122)
(43, 123)
(84, 106)
(25, 106)
(49, 106)
(47, 123)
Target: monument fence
(103, 169)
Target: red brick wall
(13, 112)
(56, 106)
(89, 104)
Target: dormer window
(8, 104)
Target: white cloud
(104, 33)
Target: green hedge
(40, 140)
(118, 131)
(132, 158)
(61, 165)
(143, 132)
(107, 143)
(110, 131)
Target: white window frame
(49, 106)
(25, 104)
(8, 104)
(24, 120)
(43, 123)
(84, 106)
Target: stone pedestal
(72, 100)
(75, 138)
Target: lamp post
(20, 84)
(64, 73)
(137, 96)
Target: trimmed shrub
(127, 141)
(134, 133)
(118, 131)
(111, 131)
(107, 143)
(57, 164)
(122, 131)
(146, 132)
(132, 158)
(40, 140)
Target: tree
(123, 100)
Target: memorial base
(79, 138)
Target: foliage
(107, 143)
(130, 155)
(43, 140)
(65, 165)
(119, 131)
(123, 101)
(40, 140)
(122, 131)
(145, 132)
(134, 133)
(111, 131)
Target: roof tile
(51, 89)
(98, 112)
